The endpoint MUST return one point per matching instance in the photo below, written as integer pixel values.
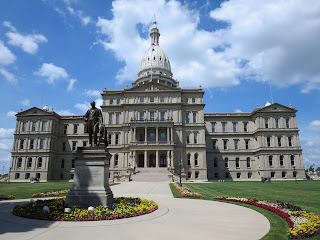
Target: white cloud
(82, 106)
(8, 76)
(276, 40)
(11, 114)
(92, 93)
(6, 132)
(85, 20)
(237, 111)
(29, 43)
(64, 112)
(52, 72)
(6, 144)
(314, 125)
(6, 56)
(71, 83)
(25, 102)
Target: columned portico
(151, 158)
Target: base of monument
(87, 199)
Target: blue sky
(63, 53)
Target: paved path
(175, 219)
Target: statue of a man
(94, 119)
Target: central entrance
(163, 160)
(152, 160)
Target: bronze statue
(94, 124)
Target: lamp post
(180, 170)
(295, 174)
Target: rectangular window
(111, 101)
(152, 137)
(162, 116)
(33, 126)
(24, 126)
(74, 146)
(141, 116)
(188, 138)
(41, 143)
(245, 127)
(29, 162)
(117, 139)
(225, 144)
(195, 136)
(75, 129)
(226, 162)
(237, 163)
(277, 122)
(151, 116)
(39, 162)
(268, 141)
(161, 99)
(248, 162)
(19, 162)
(266, 123)
(63, 146)
(163, 137)
(223, 127)
(118, 101)
(186, 100)
(142, 100)
(65, 129)
(44, 126)
(193, 100)
(247, 144)
(109, 139)
(279, 141)
(31, 144)
(117, 118)
(234, 127)
(287, 123)
(196, 163)
(152, 100)
(187, 118)
(110, 118)
(196, 175)
(62, 163)
(141, 137)
(214, 144)
(189, 159)
(290, 141)
(194, 117)
(213, 127)
(21, 144)
(236, 144)
(84, 143)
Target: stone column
(168, 139)
(134, 134)
(157, 134)
(157, 159)
(145, 159)
(145, 134)
(171, 138)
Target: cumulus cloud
(25, 102)
(52, 72)
(28, 43)
(64, 112)
(314, 125)
(92, 93)
(85, 20)
(11, 114)
(86, 105)
(71, 83)
(275, 41)
(6, 56)
(237, 110)
(6, 132)
(8, 76)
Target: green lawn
(305, 194)
(25, 190)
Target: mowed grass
(25, 190)
(305, 194)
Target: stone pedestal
(91, 178)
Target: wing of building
(157, 125)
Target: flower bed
(303, 224)
(51, 194)
(186, 192)
(54, 209)
(7, 197)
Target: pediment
(276, 107)
(35, 112)
(151, 86)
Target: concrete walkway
(175, 219)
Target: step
(150, 175)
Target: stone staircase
(150, 175)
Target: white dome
(46, 108)
(156, 59)
(267, 104)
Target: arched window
(196, 163)
(29, 162)
(292, 160)
(39, 162)
(281, 160)
(270, 161)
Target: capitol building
(156, 126)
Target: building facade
(157, 124)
